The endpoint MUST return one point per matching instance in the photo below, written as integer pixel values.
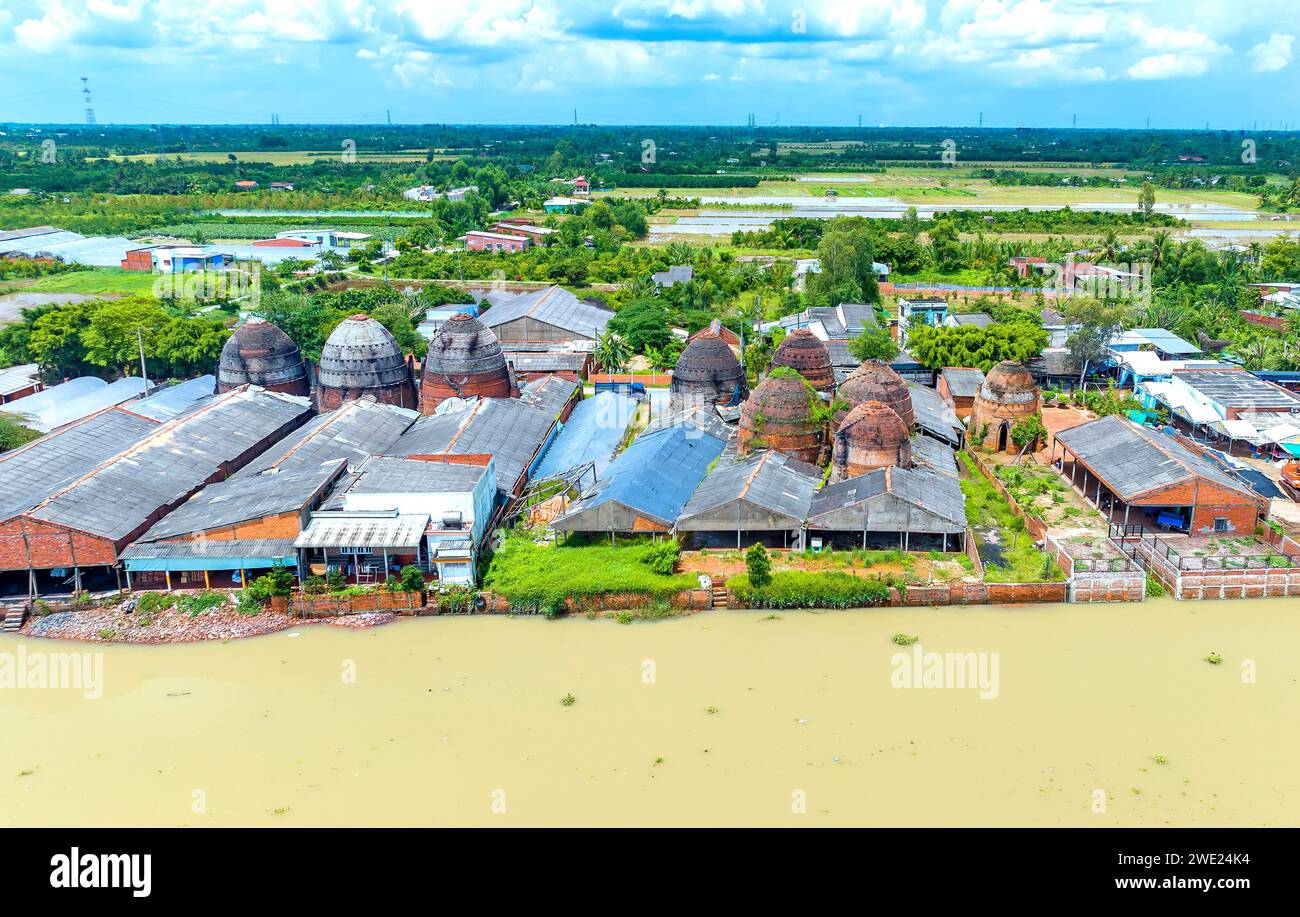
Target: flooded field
(721, 718)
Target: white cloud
(1168, 66)
(1271, 55)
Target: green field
(923, 186)
(91, 280)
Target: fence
(1128, 537)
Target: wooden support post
(207, 581)
(129, 588)
(167, 575)
(243, 577)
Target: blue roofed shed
(646, 486)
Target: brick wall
(50, 546)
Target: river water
(721, 718)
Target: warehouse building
(1140, 477)
(552, 314)
(916, 508)
(240, 527)
(761, 498)
(72, 523)
(644, 489)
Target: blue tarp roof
(657, 474)
(594, 430)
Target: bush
(662, 556)
(802, 589)
(1155, 589)
(314, 585)
(412, 579)
(759, 566)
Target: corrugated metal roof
(554, 306)
(32, 473)
(287, 476)
(363, 530)
(174, 400)
(768, 480)
(1236, 388)
(1132, 460)
(656, 474)
(549, 393)
(931, 486)
(963, 382)
(934, 415)
(43, 405)
(120, 495)
(507, 428)
(212, 555)
(593, 432)
(390, 474)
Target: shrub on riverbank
(538, 578)
(801, 589)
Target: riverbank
(1104, 715)
(172, 625)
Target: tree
(1147, 198)
(13, 433)
(189, 346)
(643, 324)
(759, 566)
(612, 352)
(1096, 321)
(874, 343)
(412, 579)
(118, 327)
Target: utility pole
(144, 374)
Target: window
(1222, 524)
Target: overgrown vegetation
(537, 578)
(800, 589)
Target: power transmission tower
(85, 94)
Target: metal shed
(763, 497)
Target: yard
(1006, 548)
(914, 568)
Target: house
(562, 204)
(958, 387)
(581, 186)
(1139, 476)
(678, 273)
(246, 185)
(534, 234)
(1141, 354)
(805, 266)
(930, 311)
(68, 523)
(550, 314)
(281, 186)
(432, 511)
(436, 316)
(19, 382)
(762, 498)
(480, 241)
(459, 194)
(423, 193)
(968, 320)
(917, 507)
(646, 486)
(1227, 404)
(239, 527)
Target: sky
(1033, 63)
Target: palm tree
(612, 352)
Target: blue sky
(1114, 63)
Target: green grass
(538, 577)
(93, 280)
(986, 508)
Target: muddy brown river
(1070, 715)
